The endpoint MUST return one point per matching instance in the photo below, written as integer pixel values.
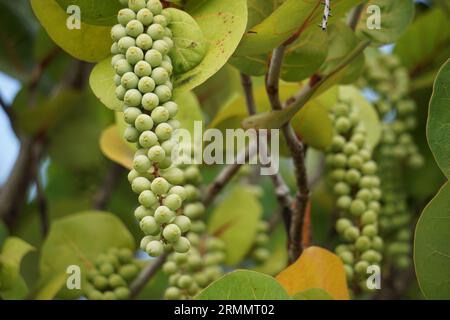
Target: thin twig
(110, 182)
(146, 274)
(298, 154)
(7, 109)
(42, 206)
(317, 176)
(355, 16)
(39, 69)
(248, 91)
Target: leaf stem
(148, 272)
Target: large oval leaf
(431, 249)
(288, 18)
(89, 43)
(395, 18)
(190, 43)
(244, 285)
(316, 268)
(438, 126)
(78, 240)
(102, 84)
(239, 211)
(223, 24)
(115, 148)
(96, 12)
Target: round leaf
(115, 148)
(102, 84)
(96, 12)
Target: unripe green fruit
(116, 281)
(94, 295)
(166, 64)
(175, 124)
(377, 243)
(194, 210)
(117, 80)
(154, 58)
(136, 5)
(371, 256)
(339, 160)
(128, 272)
(154, 6)
(344, 202)
(160, 114)
(160, 75)
(361, 267)
(369, 168)
(368, 217)
(141, 164)
(120, 92)
(169, 42)
(350, 148)
(149, 226)
(142, 69)
(338, 143)
(155, 248)
(370, 230)
(122, 66)
(171, 233)
(164, 215)
(129, 80)
(106, 269)
(116, 58)
(140, 184)
(173, 202)
(353, 176)
(182, 245)
(342, 125)
(109, 295)
(173, 175)
(172, 108)
(156, 32)
(355, 161)
(133, 98)
(100, 282)
(348, 272)
(148, 139)
(146, 240)
(160, 19)
(131, 134)
(163, 131)
(134, 55)
(156, 154)
(125, 15)
(173, 293)
(122, 293)
(161, 46)
(351, 233)
(125, 43)
(357, 207)
(143, 122)
(341, 189)
(148, 199)
(130, 114)
(118, 32)
(342, 224)
(115, 48)
(192, 192)
(192, 174)
(164, 93)
(338, 174)
(362, 243)
(346, 257)
(364, 195)
(169, 146)
(142, 212)
(150, 101)
(165, 164)
(134, 28)
(160, 186)
(146, 85)
(180, 191)
(183, 222)
(261, 239)
(145, 16)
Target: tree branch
(146, 274)
(110, 182)
(248, 91)
(42, 205)
(355, 16)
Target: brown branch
(42, 205)
(298, 154)
(248, 91)
(146, 274)
(355, 16)
(39, 69)
(111, 180)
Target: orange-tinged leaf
(316, 268)
(115, 148)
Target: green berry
(125, 43)
(134, 28)
(160, 114)
(115, 49)
(350, 148)
(164, 215)
(154, 58)
(129, 80)
(122, 293)
(362, 243)
(148, 199)
(156, 154)
(134, 55)
(173, 202)
(131, 114)
(160, 75)
(149, 226)
(116, 281)
(342, 224)
(182, 245)
(154, 6)
(125, 15)
(141, 164)
(339, 160)
(146, 85)
(160, 186)
(161, 46)
(140, 184)
(368, 217)
(100, 282)
(353, 176)
(145, 16)
(106, 269)
(118, 32)
(164, 131)
(346, 257)
(173, 293)
(172, 108)
(365, 195)
(341, 189)
(148, 139)
(173, 175)
(136, 5)
(131, 134)
(342, 125)
(122, 66)
(361, 267)
(133, 98)
(128, 272)
(344, 202)
(116, 58)
(142, 69)
(170, 267)
(156, 31)
(370, 230)
(94, 295)
(183, 222)
(150, 101)
(171, 233)
(194, 210)
(180, 191)
(351, 233)
(144, 122)
(357, 207)
(142, 212)
(155, 248)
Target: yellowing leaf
(115, 148)
(316, 268)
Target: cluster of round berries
(353, 176)
(142, 41)
(386, 76)
(111, 275)
(190, 272)
(260, 252)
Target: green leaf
(424, 41)
(258, 10)
(223, 24)
(77, 240)
(49, 288)
(395, 18)
(15, 249)
(240, 210)
(283, 23)
(189, 110)
(102, 84)
(305, 55)
(366, 111)
(115, 148)
(244, 285)
(89, 43)
(313, 294)
(255, 65)
(438, 126)
(190, 43)
(95, 12)
(431, 249)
